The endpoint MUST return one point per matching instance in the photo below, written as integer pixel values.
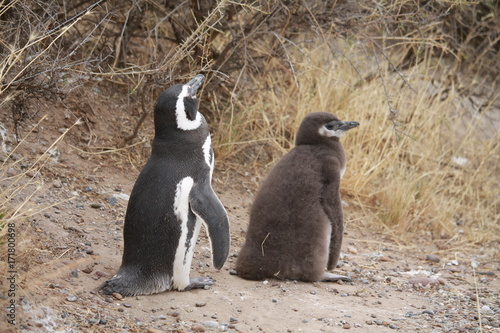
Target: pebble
(394, 327)
(103, 321)
(486, 310)
(433, 258)
(173, 313)
(74, 273)
(101, 274)
(233, 272)
(89, 250)
(127, 305)
(117, 296)
(210, 324)
(95, 205)
(11, 172)
(88, 269)
(57, 183)
(429, 312)
(424, 281)
(112, 201)
(197, 328)
(233, 320)
(200, 304)
(352, 249)
(72, 298)
(153, 330)
(346, 326)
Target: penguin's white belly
(185, 247)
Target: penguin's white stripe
(329, 133)
(206, 151)
(183, 122)
(182, 265)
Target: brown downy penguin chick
(296, 220)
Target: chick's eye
(329, 127)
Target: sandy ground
(66, 251)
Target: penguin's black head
(177, 107)
(320, 127)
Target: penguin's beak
(339, 125)
(195, 84)
(347, 125)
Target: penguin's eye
(329, 127)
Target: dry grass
(432, 170)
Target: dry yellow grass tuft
(429, 167)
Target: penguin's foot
(199, 282)
(330, 277)
(115, 286)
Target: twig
(262, 244)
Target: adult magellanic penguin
(296, 220)
(171, 199)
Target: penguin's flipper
(207, 206)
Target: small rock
(173, 314)
(233, 272)
(127, 305)
(432, 258)
(103, 321)
(274, 300)
(74, 273)
(57, 183)
(487, 310)
(95, 205)
(394, 327)
(429, 312)
(71, 298)
(197, 328)
(112, 201)
(11, 172)
(233, 320)
(118, 296)
(200, 304)
(101, 274)
(352, 249)
(88, 269)
(89, 250)
(153, 330)
(210, 324)
(424, 281)
(346, 326)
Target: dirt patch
(67, 250)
